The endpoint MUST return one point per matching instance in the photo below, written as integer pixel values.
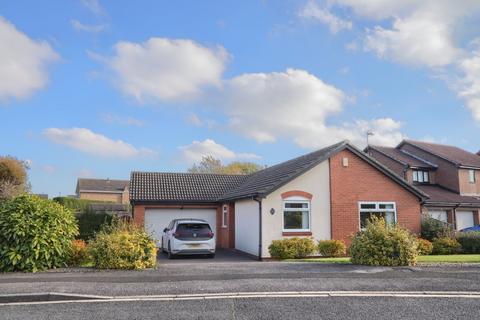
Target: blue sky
(100, 88)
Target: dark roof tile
(402, 157)
(438, 194)
(451, 153)
(181, 187)
(102, 185)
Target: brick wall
(99, 196)
(360, 181)
(466, 187)
(446, 174)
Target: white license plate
(194, 245)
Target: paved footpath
(250, 290)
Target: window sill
(296, 233)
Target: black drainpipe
(259, 227)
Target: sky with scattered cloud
(102, 88)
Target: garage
(464, 219)
(158, 219)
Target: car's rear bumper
(192, 247)
(193, 252)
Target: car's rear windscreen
(195, 231)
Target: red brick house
(447, 174)
(326, 194)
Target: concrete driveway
(221, 255)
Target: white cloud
(424, 33)
(166, 70)
(313, 11)
(23, 62)
(295, 105)
(422, 39)
(94, 6)
(468, 87)
(113, 118)
(197, 149)
(93, 28)
(87, 141)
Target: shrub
(292, 248)
(433, 228)
(425, 247)
(383, 245)
(123, 246)
(35, 234)
(78, 254)
(331, 248)
(446, 245)
(470, 241)
(89, 223)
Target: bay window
(385, 210)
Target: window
(224, 216)
(420, 176)
(471, 176)
(296, 215)
(384, 210)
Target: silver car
(188, 236)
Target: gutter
(259, 200)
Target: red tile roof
(451, 153)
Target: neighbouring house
(103, 190)
(450, 176)
(326, 194)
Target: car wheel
(169, 252)
(211, 255)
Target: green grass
(454, 258)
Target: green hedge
(446, 245)
(331, 248)
(470, 241)
(381, 244)
(292, 248)
(90, 223)
(35, 234)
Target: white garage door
(158, 219)
(439, 215)
(464, 219)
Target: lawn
(454, 258)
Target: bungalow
(326, 194)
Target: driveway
(221, 255)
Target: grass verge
(454, 258)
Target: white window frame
(308, 209)
(472, 176)
(420, 175)
(377, 209)
(225, 216)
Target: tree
(211, 165)
(13, 177)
